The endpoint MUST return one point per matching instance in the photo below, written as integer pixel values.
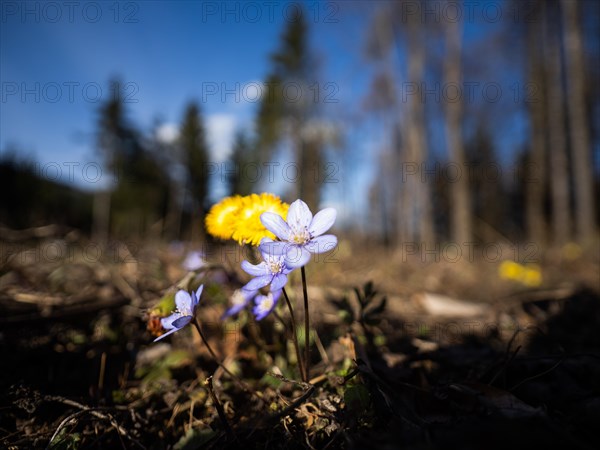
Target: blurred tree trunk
(310, 158)
(385, 194)
(557, 136)
(460, 210)
(101, 217)
(172, 229)
(280, 116)
(417, 189)
(244, 155)
(578, 121)
(535, 178)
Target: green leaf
(64, 441)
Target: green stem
(295, 335)
(306, 327)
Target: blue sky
(57, 59)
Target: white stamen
(299, 235)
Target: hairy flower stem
(306, 327)
(295, 335)
(221, 365)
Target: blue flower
(264, 304)
(239, 300)
(193, 261)
(185, 312)
(301, 235)
(273, 270)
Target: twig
(321, 348)
(533, 377)
(63, 423)
(219, 407)
(102, 371)
(292, 406)
(508, 359)
(120, 430)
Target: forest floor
(463, 353)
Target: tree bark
(578, 121)
(535, 176)
(417, 186)
(557, 138)
(460, 211)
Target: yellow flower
(510, 270)
(221, 219)
(239, 217)
(532, 276)
(248, 228)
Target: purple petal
(273, 248)
(321, 244)
(276, 225)
(278, 282)
(258, 314)
(248, 295)
(298, 215)
(258, 311)
(258, 282)
(182, 322)
(193, 261)
(167, 322)
(255, 270)
(166, 334)
(183, 300)
(297, 256)
(233, 310)
(196, 297)
(199, 293)
(322, 221)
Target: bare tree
(535, 178)
(460, 211)
(557, 137)
(417, 190)
(578, 121)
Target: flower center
(300, 236)
(266, 304)
(275, 264)
(238, 298)
(184, 311)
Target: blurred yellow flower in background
(529, 275)
(249, 229)
(220, 220)
(238, 217)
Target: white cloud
(167, 133)
(220, 129)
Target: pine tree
(194, 151)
